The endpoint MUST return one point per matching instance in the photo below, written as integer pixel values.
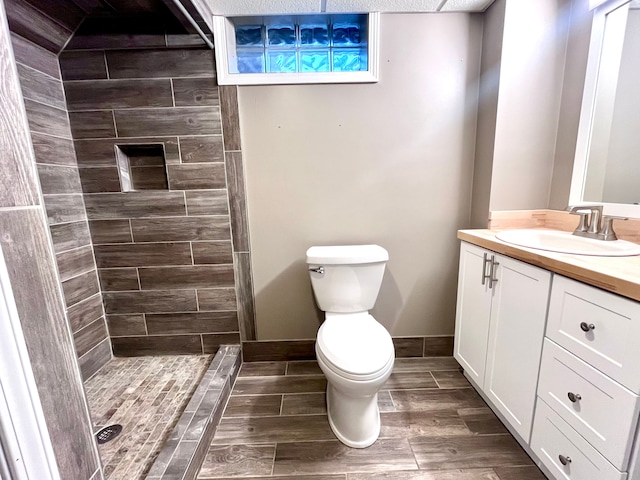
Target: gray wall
(388, 163)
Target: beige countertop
(619, 275)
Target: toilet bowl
(354, 351)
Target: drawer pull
(574, 397)
(564, 460)
(587, 327)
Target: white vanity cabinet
(500, 321)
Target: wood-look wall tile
(438, 346)
(278, 350)
(108, 206)
(53, 150)
(99, 179)
(209, 202)
(207, 253)
(196, 176)
(81, 287)
(244, 289)
(185, 40)
(202, 149)
(200, 322)
(83, 65)
(64, 12)
(74, 262)
(195, 92)
(408, 346)
(85, 312)
(118, 279)
(110, 231)
(66, 236)
(197, 276)
(126, 325)
(217, 299)
(160, 345)
(161, 63)
(90, 336)
(149, 178)
(93, 361)
(262, 369)
(27, 252)
(167, 121)
(150, 301)
(30, 23)
(230, 117)
(59, 179)
(212, 341)
(65, 208)
(33, 56)
(102, 152)
(92, 124)
(47, 119)
(142, 254)
(112, 94)
(180, 229)
(109, 32)
(40, 87)
(237, 201)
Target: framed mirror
(607, 164)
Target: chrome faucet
(593, 224)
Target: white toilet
(353, 350)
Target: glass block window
(301, 44)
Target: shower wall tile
(32, 24)
(83, 65)
(75, 262)
(110, 231)
(65, 208)
(237, 201)
(67, 236)
(157, 345)
(201, 276)
(217, 299)
(181, 229)
(118, 279)
(142, 254)
(196, 176)
(58, 179)
(92, 124)
(200, 322)
(78, 288)
(89, 336)
(134, 205)
(126, 325)
(244, 289)
(195, 92)
(161, 63)
(53, 150)
(31, 55)
(230, 117)
(202, 149)
(167, 121)
(210, 202)
(101, 152)
(150, 301)
(99, 179)
(112, 94)
(85, 312)
(212, 252)
(211, 342)
(40, 87)
(95, 359)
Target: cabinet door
(472, 313)
(518, 314)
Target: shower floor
(146, 395)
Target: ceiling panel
(264, 7)
(466, 5)
(383, 5)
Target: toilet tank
(351, 279)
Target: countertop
(619, 275)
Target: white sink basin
(565, 242)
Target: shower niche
(142, 167)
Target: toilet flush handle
(319, 270)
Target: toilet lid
(355, 344)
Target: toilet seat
(355, 346)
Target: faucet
(593, 224)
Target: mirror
(607, 163)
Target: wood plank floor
(434, 427)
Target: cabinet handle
(493, 271)
(485, 260)
(574, 397)
(564, 460)
(587, 327)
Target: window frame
(224, 40)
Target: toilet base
(356, 422)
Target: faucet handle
(607, 233)
(584, 212)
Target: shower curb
(182, 455)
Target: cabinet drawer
(553, 437)
(613, 345)
(605, 413)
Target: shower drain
(108, 433)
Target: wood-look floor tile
(281, 477)
(423, 364)
(446, 453)
(464, 474)
(253, 406)
(481, 421)
(450, 379)
(418, 424)
(385, 402)
(304, 404)
(280, 384)
(407, 380)
(262, 369)
(237, 461)
(436, 399)
(334, 457)
(273, 429)
(304, 367)
(519, 473)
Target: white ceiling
(274, 7)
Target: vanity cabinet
(500, 321)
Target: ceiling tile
(356, 6)
(466, 5)
(263, 7)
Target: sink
(565, 242)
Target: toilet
(354, 351)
